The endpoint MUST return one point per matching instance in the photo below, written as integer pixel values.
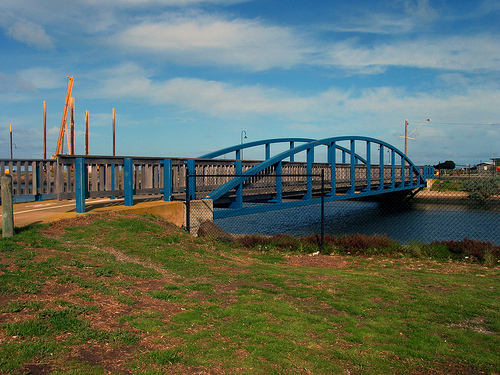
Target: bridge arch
(238, 149)
(399, 174)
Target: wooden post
(86, 132)
(11, 141)
(44, 129)
(114, 149)
(72, 127)
(7, 208)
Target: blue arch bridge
(349, 166)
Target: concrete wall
(175, 212)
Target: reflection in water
(420, 222)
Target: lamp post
(407, 136)
(243, 137)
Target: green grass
(176, 304)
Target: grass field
(123, 294)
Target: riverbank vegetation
(467, 250)
(127, 294)
(479, 188)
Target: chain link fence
(453, 207)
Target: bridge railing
(30, 177)
(212, 173)
(106, 177)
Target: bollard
(7, 209)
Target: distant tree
(448, 164)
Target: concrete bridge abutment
(200, 211)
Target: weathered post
(7, 209)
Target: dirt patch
(111, 358)
(36, 369)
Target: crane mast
(64, 118)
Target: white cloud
(225, 100)
(30, 33)
(175, 3)
(420, 8)
(252, 45)
(473, 53)
(212, 97)
(44, 78)
(208, 40)
(10, 83)
(374, 23)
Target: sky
(187, 77)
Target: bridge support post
(403, 174)
(80, 185)
(279, 183)
(7, 207)
(393, 168)
(382, 169)
(368, 166)
(128, 181)
(167, 180)
(37, 169)
(352, 189)
(113, 184)
(191, 179)
(238, 203)
(309, 169)
(332, 159)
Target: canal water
(420, 222)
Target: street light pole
(243, 132)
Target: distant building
(496, 161)
(484, 167)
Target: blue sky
(188, 76)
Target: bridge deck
(232, 181)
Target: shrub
(362, 242)
(478, 249)
(480, 189)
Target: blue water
(420, 222)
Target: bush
(280, 242)
(480, 189)
(363, 244)
(470, 248)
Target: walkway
(30, 213)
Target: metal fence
(443, 211)
(259, 190)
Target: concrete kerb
(173, 212)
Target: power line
(465, 123)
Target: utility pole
(11, 141)
(44, 129)
(86, 132)
(114, 149)
(406, 137)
